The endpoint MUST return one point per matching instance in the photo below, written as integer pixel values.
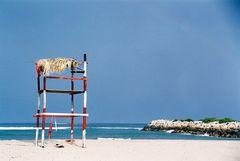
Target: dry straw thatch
(56, 65)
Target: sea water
(118, 131)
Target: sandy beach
(122, 150)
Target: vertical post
(72, 108)
(50, 130)
(84, 124)
(44, 109)
(38, 103)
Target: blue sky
(147, 59)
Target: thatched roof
(56, 65)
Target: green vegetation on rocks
(188, 120)
(213, 119)
(209, 119)
(225, 120)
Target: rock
(230, 129)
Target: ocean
(26, 131)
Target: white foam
(117, 128)
(113, 138)
(30, 128)
(62, 123)
(169, 131)
(204, 134)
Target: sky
(165, 59)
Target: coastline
(122, 150)
(26, 131)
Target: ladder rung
(61, 91)
(77, 71)
(65, 78)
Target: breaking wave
(30, 128)
(113, 138)
(117, 128)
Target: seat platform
(59, 115)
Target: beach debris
(59, 146)
(56, 65)
(70, 141)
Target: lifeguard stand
(44, 114)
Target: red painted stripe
(72, 103)
(65, 78)
(85, 85)
(43, 118)
(37, 124)
(84, 110)
(43, 123)
(50, 130)
(72, 123)
(84, 124)
(38, 70)
(44, 83)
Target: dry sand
(122, 150)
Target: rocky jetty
(229, 130)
